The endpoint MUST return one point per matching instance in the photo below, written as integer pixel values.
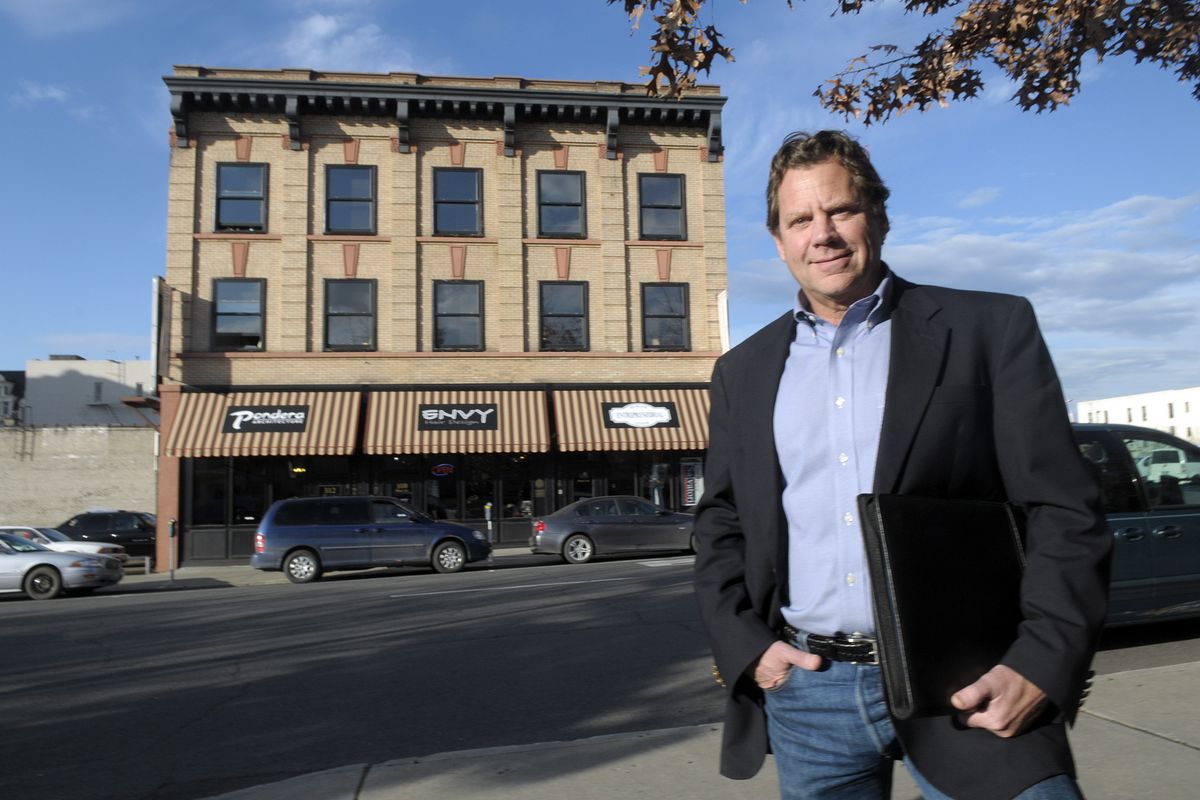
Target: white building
(73, 391)
(1175, 411)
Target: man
(872, 383)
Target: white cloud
(59, 17)
(342, 43)
(29, 93)
(980, 197)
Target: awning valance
(265, 424)
(458, 421)
(631, 419)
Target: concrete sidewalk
(1138, 736)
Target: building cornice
(403, 102)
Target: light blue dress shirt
(828, 416)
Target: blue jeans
(832, 738)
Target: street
(190, 693)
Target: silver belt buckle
(861, 638)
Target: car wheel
(43, 583)
(449, 557)
(578, 549)
(302, 566)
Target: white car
(59, 542)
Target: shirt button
(841, 351)
(841, 401)
(848, 518)
(843, 458)
(850, 579)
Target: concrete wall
(48, 475)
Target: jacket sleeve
(1065, 587)
(734, 622)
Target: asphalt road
(190, 693)
(186, 694)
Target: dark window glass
(1168, 469)
(242, 197)
(96, 523)
(457, 202)
(349, 315)
(1104, 456)
(661, 208)
(564, 316)
(238, 317)
(458, 315)
(350, 199)
(560, 204)
(665, 316)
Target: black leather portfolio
(945, 583)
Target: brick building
(456, 291)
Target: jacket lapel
(917, 349)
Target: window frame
(686, 316)
(581, 205)
(643, 206)
(261, 197)
(437, 286)
(584, 315)
(216, 316)
(330, 200)
(373, 296)
(477, 203)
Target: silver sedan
(55, 540)
(43, 574)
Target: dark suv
(134, 530)
(305, 537)
(1151, 487)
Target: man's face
(828, 238)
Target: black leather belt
(851, 647)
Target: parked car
(133, 530)
(1154, 514)
(43, 574)
(603, 525)
(306, 537)
(59, 542)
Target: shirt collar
(880, 302)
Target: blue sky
(1093, 211)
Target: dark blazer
(973, 410)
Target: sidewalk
(1137, 737)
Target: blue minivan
(306, 537)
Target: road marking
(507, 588)
(668, 562)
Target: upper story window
(350, 199)
(660, 207)
(564, 315)
(349, 315)
(665, 316)
(242, 197)
(238, 313)
(560, 204)
(458, 202)
(458, 315)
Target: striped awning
(265, 424)
(456, 421)
(631, 419)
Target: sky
(1092, 211)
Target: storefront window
(210, 481)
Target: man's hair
(802, 150)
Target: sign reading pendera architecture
(266, 419)
(640, 415)
(457, 416)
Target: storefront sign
(691, 471)
(266, 419)
(442, 470)
(457, 416)
(640, 415)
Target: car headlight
(479, 535)
(87, 563)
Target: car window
(603, 508)
(94, 523)
(1170, 472)
(125, 523)
(348, 511)
(19, 545)
(53, 535)
(383, 511)
(1102, 455)
(634, 505)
